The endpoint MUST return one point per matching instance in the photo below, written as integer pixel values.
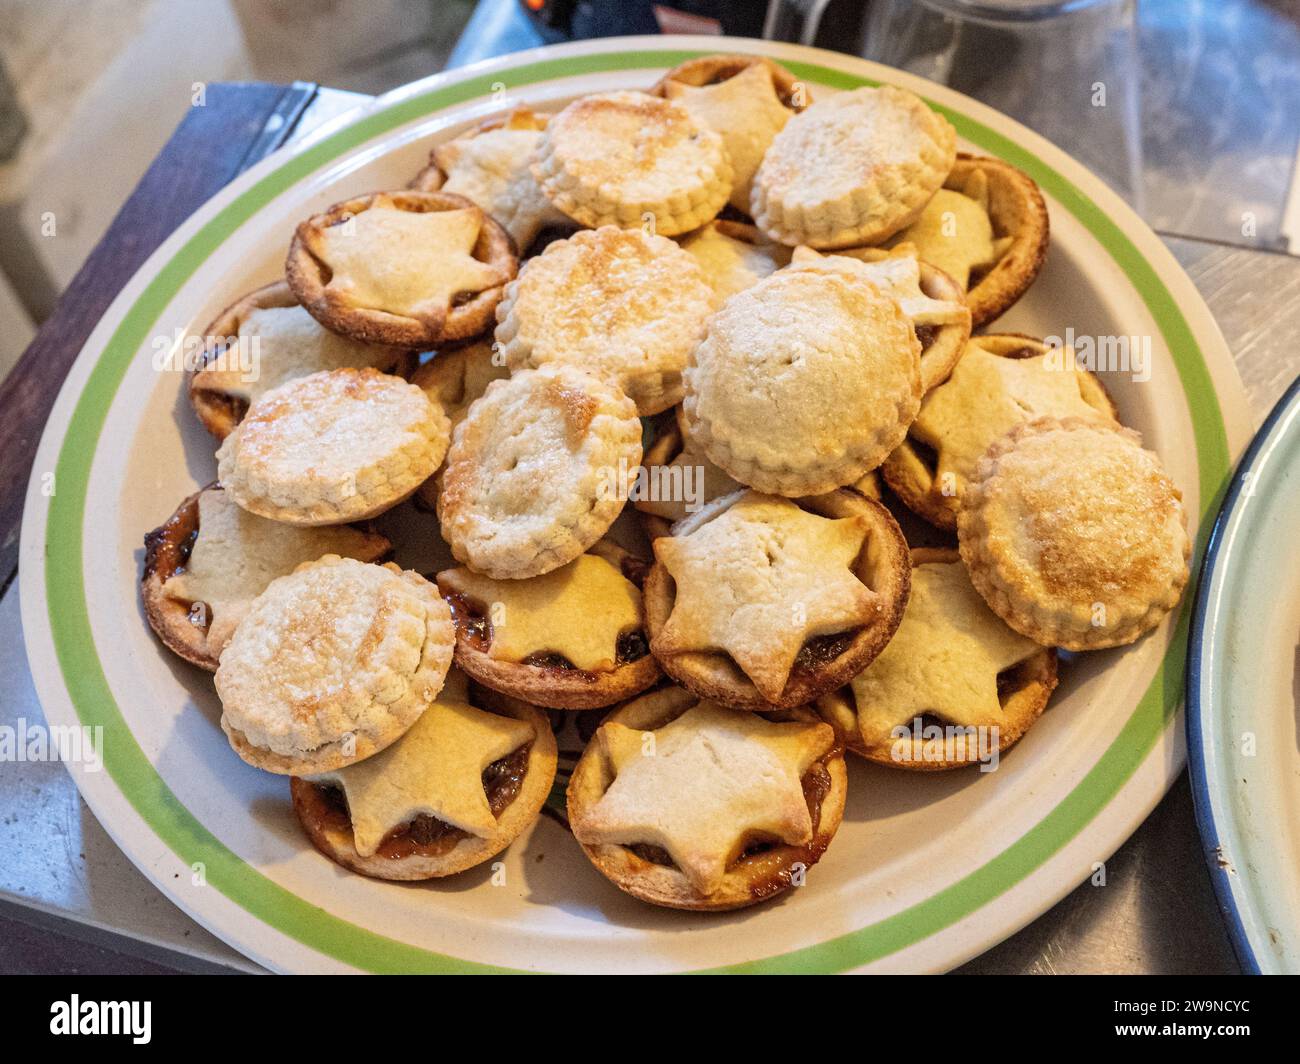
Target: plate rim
(1221, 389)
(1203, 761)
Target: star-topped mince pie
(411, 269)
(631, 160)
(930, 299)
(1001, 381)
(489, 165)
(455, 790)
(682, 803)
(803, 382)
(539, 469)
(622, 305)
(759, 602)
(573, 638)
(987, 228)
(1074, 534)
(263, 340)
(207, 563)
(746, 99)
(955, 686)
(331, 664)
(341, 445)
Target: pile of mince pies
(663, 374)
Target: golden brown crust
(1030, 686)
(432, 176)
(909, 470)
(166, 551)
(713, 69)
(940, 356)
(471, 850)
(883, 567)
(307, 276)
(1017, 210)
(751, 879)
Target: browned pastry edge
(713, 69)
(1035, 677)
(883, 566)
(750, 879)
(470, 850)
(1016, 209)
(307, 276)
(910, 474)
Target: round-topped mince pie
(412, 269)
(456, 789)
(341, 445)
(954, 687)
(987, 228)
(331, 664)
(734, 256)
(1001, 381)
(622, 305)
(852, 169)
(489, 164)
(682, 803)
(573, 638)
(539, 469)
(930, 299)
(803, 382)
(263, 340)
(206, 564)
(745, 99)
(760, 602)
(633, 160)
(453, 379)
(1074, 534)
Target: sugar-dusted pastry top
(803, 382)
(333, 446)
(237, 554)
(759, 581)
(539, 469)
(577, 611)
(435, 769)
(622, 305)
(734, 257)
(898, 276)
(332, 663)
(1074, 534)
(852, 169)
(704, 785)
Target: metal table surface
(1156, 914)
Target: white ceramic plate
(926, 872)
(1243, 699)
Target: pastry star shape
(954, 232)
(898, 276)
(986, 396)
(435, 769)
(410, 263)
(944, 659)
(759, 581)
(713, 780)
(746, 110)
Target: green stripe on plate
(350, 944)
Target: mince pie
(411, 269)
(955, 686)
(455, 790)
(761, 602)
(1074, 534)
(682, 803)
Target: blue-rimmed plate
(1243, 698)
